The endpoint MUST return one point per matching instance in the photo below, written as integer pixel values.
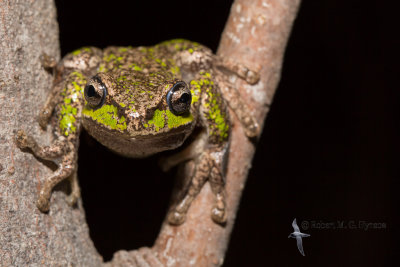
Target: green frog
(138, 101)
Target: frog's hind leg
(60, 151)
(190, 152)
(75, 189)
(208, 166)
(65, 170)
(178, 215)
(217, 183)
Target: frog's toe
(75, 194)
(21, 139)
(47, 61)
(252, 130)
(252, 77)
(176, 218)
(218, 215)
(72, 200)
(43, 204)
(44, 117)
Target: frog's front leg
(199, 58)
(233, 98)
(206, 168)
(60, 151)
(67, 101)
(51, 102)
(243, 72)
(232, 95)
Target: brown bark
(27, 236)
(256, 35)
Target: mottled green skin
(135, 119)
(72, 103)
(119, 95)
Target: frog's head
(145, 112)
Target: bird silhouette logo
(298, 235)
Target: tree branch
(27, 236)
(255, 35)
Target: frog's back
(149, 60)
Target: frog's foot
(48, 62)
(54, 151)
(22, 140)
(250, 76)
(217, 183)
(218, 216)
(250, 126)
(65, 170)
(44, 116)
(60, 149)
(178, 215)
(176, 218)
(43, 202)
(218, 213)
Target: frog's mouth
(138, 144)
(149, 145)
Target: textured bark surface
(28, 237)
(255, 35)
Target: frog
(139, 101)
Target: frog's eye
(179, 98)
(95, 92)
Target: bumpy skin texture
(140, 101)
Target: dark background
(329, 150)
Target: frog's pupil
(184, 98)
(91, 91)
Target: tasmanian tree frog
(140, 101)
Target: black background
(329, 150)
